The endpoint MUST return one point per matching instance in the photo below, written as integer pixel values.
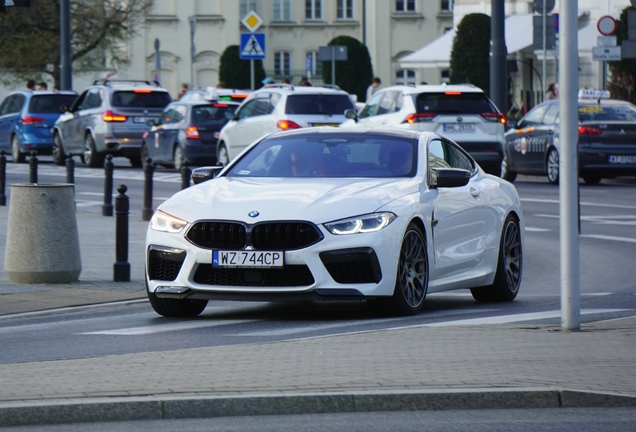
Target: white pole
(544, 44)
(568, 167)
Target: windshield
(318, 104)
(212, 113)
(336, 156)
(454, 103)
(600, 113)
(137, 99)
(50, 104)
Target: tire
(135, 161)
(91, 157)
(18, 156)
(552, 166)
(222, 157)
(506, 173)
(505, 287)
(59, 158)
(592, 179)
(411, 282)
(176, 307)
(178, 158)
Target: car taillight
(220, 105)
(142, 91)
(28, 120)
(419, 118)
(284, 125)
(109, 116)
(192, 132)
(494, 117)
(588, 130)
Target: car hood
(317, 199)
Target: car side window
(534, 117)
(387, 105)
(180, 112)
(273, 101)
(17, 101)
(92, 100)
(372, 106)
(399, 102)
(246, 110)
(444, 154)
(5, 105)
(551, 115)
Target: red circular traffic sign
(607, 25)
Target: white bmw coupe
(380, 215)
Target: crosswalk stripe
(162, 328)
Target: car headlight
(164, 222)
(360, 224)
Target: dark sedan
(187, 131)
(606, 148)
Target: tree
(470, 55)
(623, 83)
(235, 73)
(30, 37)
(355, 74)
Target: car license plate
(248, 259)
(325, 124)
(616, 159)
(459, 127)
(142, 119)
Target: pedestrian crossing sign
(252, 46)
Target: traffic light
(537, 32)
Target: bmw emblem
(253, 214)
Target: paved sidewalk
(414, 368)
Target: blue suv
(27, 118)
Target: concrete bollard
(42, 237)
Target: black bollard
(109, 167)
(186, 172)
(3, 178)
(33, 168)
(149, 169)
(70, 169)
(121, 268)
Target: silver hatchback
(109, 117)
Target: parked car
(280, 107)
(27, 118)
(606, 146)
(462, 112)
(187, 131)
(109, 117)
(337, 214)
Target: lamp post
(157, 60)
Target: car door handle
(475, 192)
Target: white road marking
(71, 308)
(611, 238)
(583, 203)
(161, 328)
(596, 294)
(532, 229)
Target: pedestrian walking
(30, 84)
(551, 93)
(184, 90)
(375, 85)
(43, 86)
(305, 82)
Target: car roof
(371, 132)
(129, 84)
(441, 88)
(45, 92)
(205, 102)
(291, 89)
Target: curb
(159, 408)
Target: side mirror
(203, 174)
(512, 124)
(351, 114)
(451, 177)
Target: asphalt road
(608, 290)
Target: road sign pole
(568, 168)
(545, 36)
(333, 65)
(252, 74)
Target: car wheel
(18, 156)
(506, 173)
(59, 158)
(592, 179)
(180, 308)
(552, 166)
(91, 157)
(222, 158)
(411, 282)
(509, 267)
(178, 158)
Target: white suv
(462, 113)
(280, 107)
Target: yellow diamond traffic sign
(252, 21)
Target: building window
(405, 5)
(246, 6)
(313, 67)
(345, 9)
(447, 5)
(445, 76)
(405, 77)
(282, 10)
(313, 9)
(282, 63)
